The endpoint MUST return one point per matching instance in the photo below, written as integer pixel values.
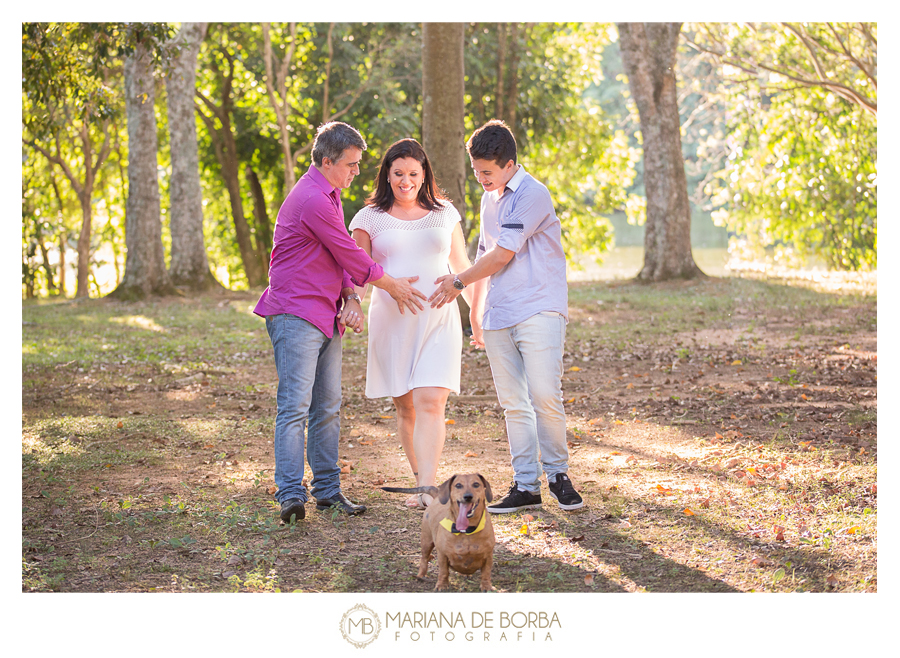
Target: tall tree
(278, 88)
(145, 265)
(189, 266)
(223, 61)
(443, 107)
(66, 112)
(648, 56)
(443, 115)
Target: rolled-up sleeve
(527, 215)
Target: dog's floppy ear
(487, 488)
(444, 490)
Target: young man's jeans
(526, 362)
(309, 393)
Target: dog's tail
(431, 490)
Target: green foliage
(802, 173)
(801, 165)
(565, 138)
(69, 64)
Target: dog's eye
(475, 485)
(459, 485)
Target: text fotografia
(479, 626)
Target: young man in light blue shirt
(519, 315)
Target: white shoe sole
(507, 510)
(568, 508)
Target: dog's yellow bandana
(450, 525)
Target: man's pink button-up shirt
(313, 257)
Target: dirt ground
(722, 433)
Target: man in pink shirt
(310, 299)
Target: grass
(147, 458)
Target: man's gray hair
(332, 139)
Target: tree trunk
(84, 236)
(513, 94)
(189, 266)
(62, 263)
(443, 107)
(225, 149)
(648, 56)
(145, 265)
(443, 112)
(277, 88)
(263, 224)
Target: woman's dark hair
(429, 194)
(494, 141)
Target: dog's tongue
(462, 521)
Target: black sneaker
(292, 507)
(561, 488)
(515, 500)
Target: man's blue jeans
(309, 394)
(526, 363)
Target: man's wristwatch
(459, 285)
(352, 295)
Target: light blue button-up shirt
(523, 221)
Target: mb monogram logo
(360, 626)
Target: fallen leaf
(779, 532)
(120, 425)
(271, 490)
(831, 581)
(615, 452)
(365, 443)
(705, 504)
(803, 531)
(574, 369)
(620, 422)
(688, 512)
(345, 469)
(387, 417)
(760, 562)
(355, 432)
(528, 518)
(471, 454)
(629, 385)
(853, 530)
(736, 362)
(577, 539)
(524, 529)
(719, 436)
(450, 421)
(589, 580)
(570, 400)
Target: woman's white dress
(411, 351)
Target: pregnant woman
(412, 230)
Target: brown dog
(458, 525)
